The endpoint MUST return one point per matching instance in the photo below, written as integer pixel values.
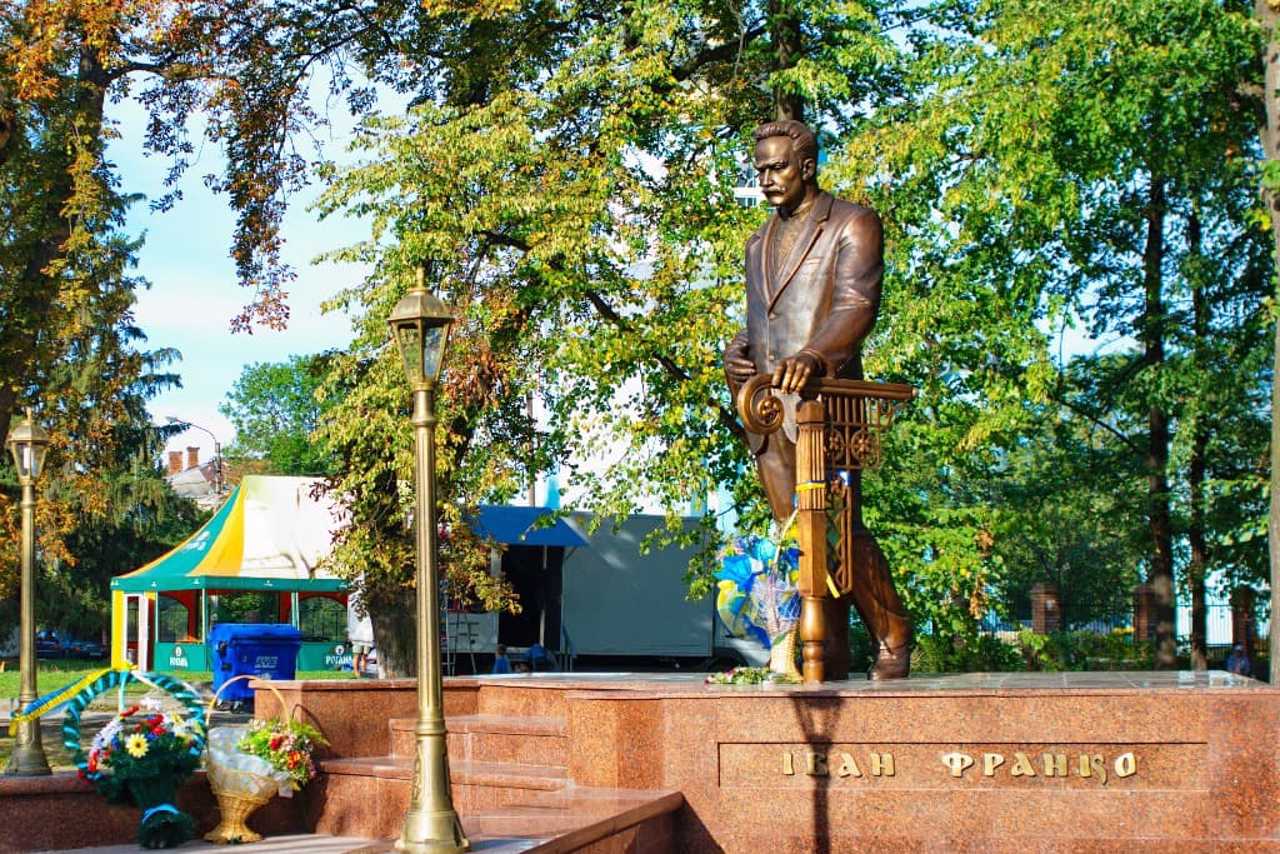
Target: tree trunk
(1160, 525)
(395, 633)
(784, 29)
(1270, 133)
(1196, 475)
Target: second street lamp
(420, 330)
(217, 450)
(28, 443)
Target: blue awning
(516, 526)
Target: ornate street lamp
(28, 443)
(420, 329)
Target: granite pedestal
(982, 762)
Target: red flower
(276, 741)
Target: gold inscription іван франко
(1089, 765)
(836, 764)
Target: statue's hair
(803, 141)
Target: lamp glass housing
(420, 329)
(28, 443)
(409, 340)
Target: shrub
(972, 653)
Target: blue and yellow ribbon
(789, 530)
(43, 705)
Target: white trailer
(594, 595)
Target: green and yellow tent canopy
(269, 535)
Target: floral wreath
(176, 688)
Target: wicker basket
(782, 656)
(239, 791)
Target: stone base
(1026, 761)
(978, 762)
(61, 812)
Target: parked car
(86, 649)
(49, 645)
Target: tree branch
(719, 53)
(727, 419)
(1089, 416)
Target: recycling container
(267, 651)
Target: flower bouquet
(758, 598)
(142, 758)
(251, 763)
(751, 676)
(286, 745)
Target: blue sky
(194, 293)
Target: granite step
(580, 816)
(465, 772)
(369, 796)
(586, 820)
(494, 738)
(521, 698)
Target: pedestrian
(540, 660)
(360, 636)
(1238, 661)
(501, 664)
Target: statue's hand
(737, 366)
(794, 371)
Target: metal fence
(1218, 624)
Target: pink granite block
(352, 714)
(616, 742)
(60, 812)
(524, 697)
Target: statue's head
(786, 162)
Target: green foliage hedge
(1058, 651)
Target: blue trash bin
(238, 649)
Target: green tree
(1044, 173)
(274, 408)
(1268, 16)
(577, 168)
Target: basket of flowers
(143, 754)
(250, 763)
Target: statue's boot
(881, 610)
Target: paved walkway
(307, 843)
(314, 843)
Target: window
(322, 619)
(171, 620)
(244, 607)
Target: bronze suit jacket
(825, 296)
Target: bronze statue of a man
(813, 290)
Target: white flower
(108, 732)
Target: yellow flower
(136, 744)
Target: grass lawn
(57, 673)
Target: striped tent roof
(270, 534)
